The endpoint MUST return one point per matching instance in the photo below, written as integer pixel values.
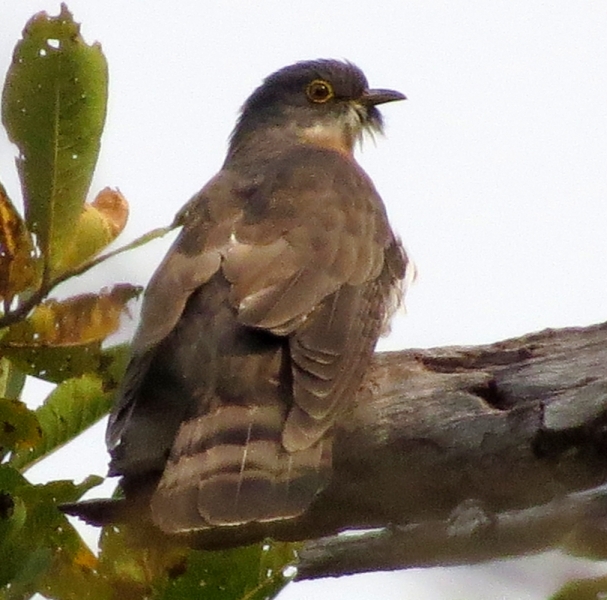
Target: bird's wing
(192, 260)
(302, 245)
(331, 351)
(314, 224)
(315, 260)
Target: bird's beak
(374, 97)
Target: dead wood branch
(474, 452)
(459, 455)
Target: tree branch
(461, 454)
(478, 452)
(575, 523)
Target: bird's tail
(229, 468)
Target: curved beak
(378, 96)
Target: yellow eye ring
(320, 91)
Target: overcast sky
(493, 171)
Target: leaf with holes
(143, 563)
(39, 550)
(62, 339)
(77, 321)
(54, 107)
(254, 572)
(19, 428)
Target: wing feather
(302, 252)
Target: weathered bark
(462, 454)
(471, 453)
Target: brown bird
(259, 325)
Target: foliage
(584, 589)
(53, 108)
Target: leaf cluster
(54, 104)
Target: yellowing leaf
(77, 321)
(18, 265)
(99, 225)
(85, 558)
(113, 209)
(53, 107)
(19, 428)
(63, 339)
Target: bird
(259, 325)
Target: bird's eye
(319, 91)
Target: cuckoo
(260, 323)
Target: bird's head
(324, 102)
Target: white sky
(494, 171)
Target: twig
(46, 287)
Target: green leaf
(15, 547)
(55, 363)
(143, 564)
(71, 408)
(583, 589)
(251, 573)
(113, 364)
(138, 560)
(12, 519)
(39, 550)
(12, 380)
(54, 108)
(32, 566)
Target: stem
(46, 287)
